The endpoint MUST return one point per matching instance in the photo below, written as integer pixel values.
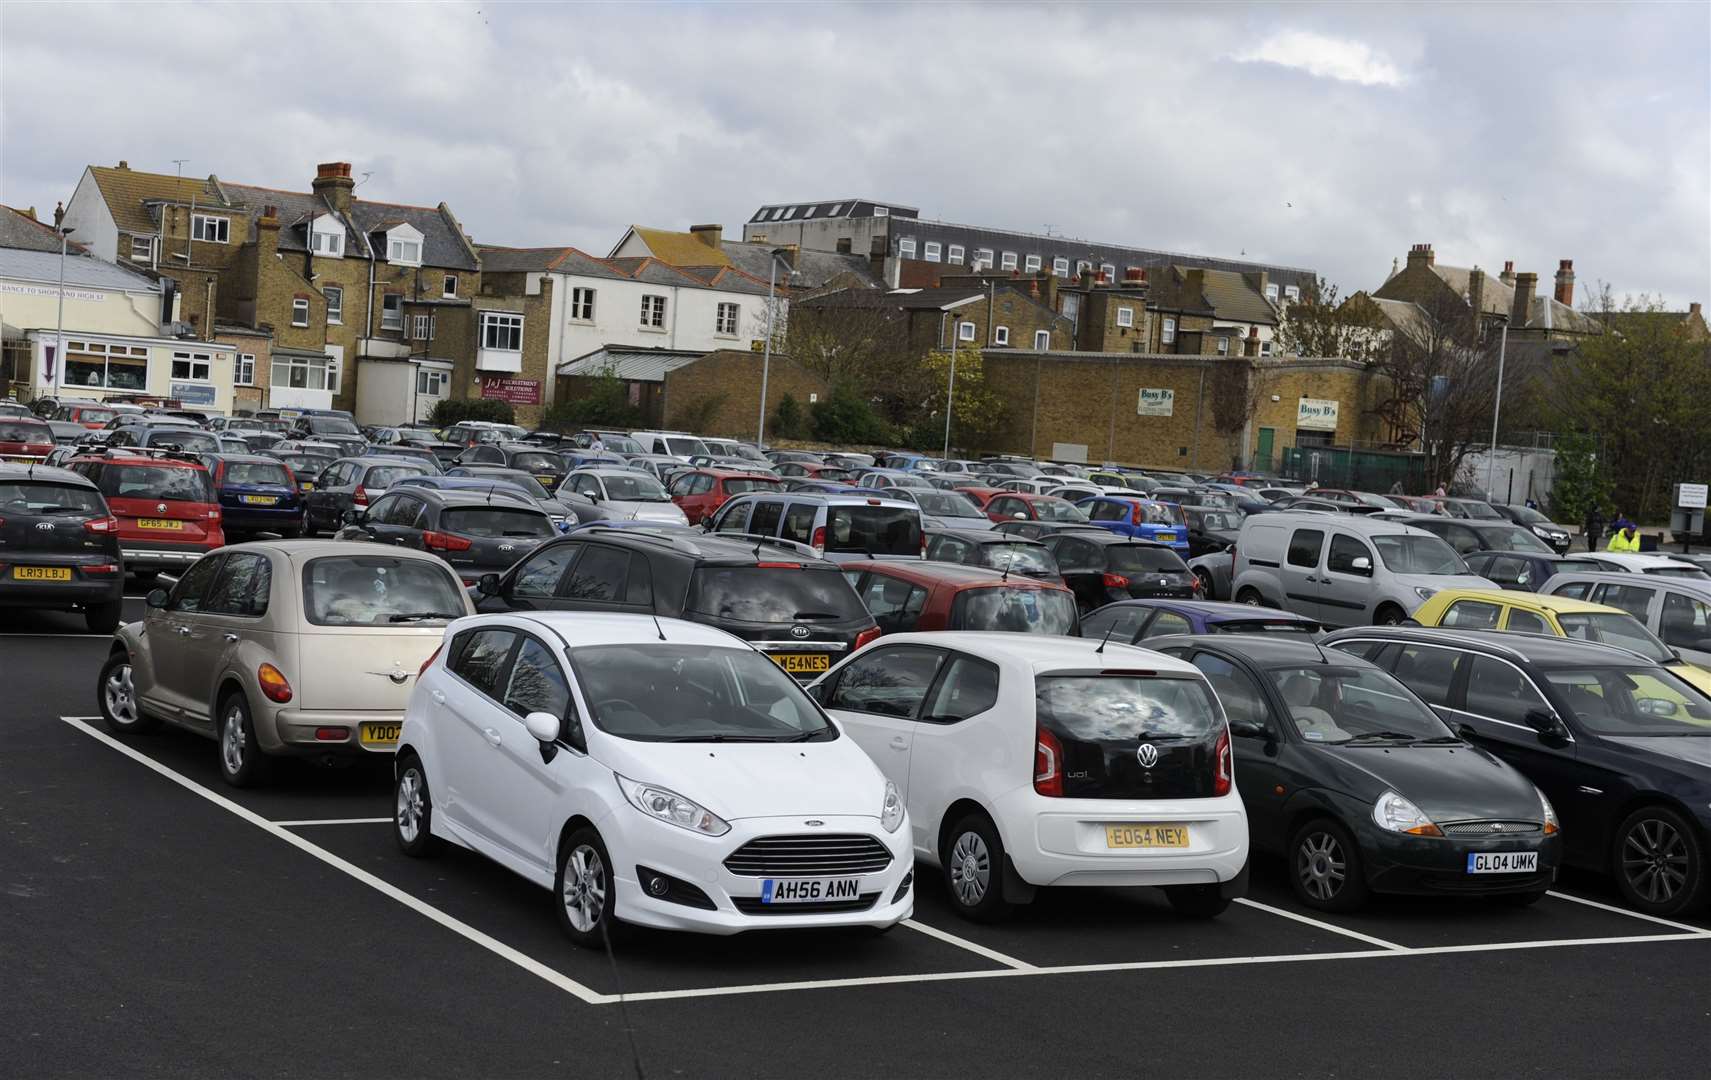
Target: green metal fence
(1358, 470)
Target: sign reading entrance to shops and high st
(1155, 401)
(1316, 414)
(514, 391)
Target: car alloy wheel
(584, 890)
(234, 745)
(1655, 860)
(121, 695)
(411, 811)
(1322, 866)
(971, 868)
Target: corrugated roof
(85, 270)
(629, 364)
(679, 248)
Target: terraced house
(331, 301)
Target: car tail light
(1134, 513)
(219, 473)
(818, 542)
(361, 497)
(439, 541)
(102, 568)
(1221, 764)
(1048, 763)
(870, 634)
(429, 662)
(1199, 586)
(780, 565)
(273, 683)
(332, 734)
(1116, 581)
(923, 545)
(100, 525)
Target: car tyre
(1325, 867)
(1205, 580)
(1197, 901)
(116, 693)
(102, 618)
(972, 861)
(1658, 860)
(242, 762)
(413, 810)
(1389, 615)
(585, 890)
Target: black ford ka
(1360, 786)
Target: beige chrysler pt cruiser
(294, 647)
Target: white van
(1343, 569)
(678, 444)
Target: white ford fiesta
(648, 771)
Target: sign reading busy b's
(1156, 401)
(513, 391)
(1316, 414)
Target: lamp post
(59, 320)
(1496, 411)
(766, 351)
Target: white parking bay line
(1700, 930)
(492, 945)
(964, 943)
(1328, 927)
(335, 821)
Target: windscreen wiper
(718, 738)
(412, 616)
(817, 615)
(1401, 736)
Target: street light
(59, 321)
(766, 354)
(1496, 411)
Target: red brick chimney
(1565, 282)
(1250, 347)
(1695, 309)
(333, 182)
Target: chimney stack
(1134, 275)
(333, 182)
(1507, 277)
(1250, 346)
(1695, 309)
(1476, 294)
(123, 164)
(58, 214)
(1525, 286)
(711, 235)
(1421, 255)
(1565, 282)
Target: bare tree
(1320, 324)
(845, 344)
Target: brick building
(719, 394)
(1483, 300)
(990, 315)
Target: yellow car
(1558, 616)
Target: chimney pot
(1134, 273)
(333, 183)
(123, 164)
(1421, 255)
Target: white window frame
(1042, 340)
(1167, 335)
(315, 373)
(299, 311)
(330, 244)
(906, 248)
(448, 288)
(1033, 263)
(965, 331)
(333, 364)
(1125, 316)
(497, 328)
(1265, 348)
(727, 317)
(1223, 346)
(422, 327)
(1290, 292)
(1000, 335)
(1060, 267)
(335, 297)
(655, 303)
(882, 211)
(581, 305)
(1109, 271)
(147, 252)
(983, 259)
(954, 256)
(192, 361)
(397, 253)
(1271, 291)
(210, 228)
(931, 250)
(432, 381)
(392, 318)
(1007, 261)
(243, 372)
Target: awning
(630, 365)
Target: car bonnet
(754, 780)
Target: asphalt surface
(154, 922)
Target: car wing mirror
(544, 726)
(1361, 564)
(354, 516)
(156, 598)
(1250, 729)
(1548, 724)
(488, 585)
(1466, 732)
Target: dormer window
(327, 236)
(403, 244)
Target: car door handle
(491, 736)
(899, 743)
(230, 637)
(184, 631)
(439, 696)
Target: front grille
(809, 856)
(1491, 828)
(751, 905)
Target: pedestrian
(597, 444)
(1625, 538)
(1440, 492)
(1396, 488)
(1593, 526)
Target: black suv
(990, 548)
(1620, 746)
(1102, 567)
(59, 545)
(796, 608)
(543, 464)
(477, 533)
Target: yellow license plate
(379, 734)
(1165, 538)
(40, 573)
(547, 480)
(1146, 836)
(160, 523)
(305, 487)
(802, 663)
(261, 500)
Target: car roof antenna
(1323, 659)
(1100, 651)
(658, 627)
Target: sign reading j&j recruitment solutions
(1316, 414)
(1155, 402)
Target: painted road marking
(335, 821)
(964, 943)
(1356, 934)
(1631, 914)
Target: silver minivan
(1344, 570)
(678, 444)
(842, 528)
(1678, 610)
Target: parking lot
(160, 922)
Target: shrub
(698, 415)
(789, 421)
(606, 404)
(454, 410)
(846, 417)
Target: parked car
(1102, 567)
(1525, 571)
(420, 455)
(319, 425)
(1470, 535)
(351, 484)
(25, 439)
(798, 611)
(1039, 530)
(1617, 744)
(905, 597)
(300, 648)
(978, 493)
(1628, 562)
(842, 527)
(1677, 610)
(944, 509)
(477, 533)
(814, 471)
(1030, 762)
(1538, 524)
(1186, 497)
(998, 551)
(89, 414)
(403, 436)
(1362, 788)
(306, 468)
(1214, 571)
(1140, 518)
(1133, 621)
(174, 436)
(165, 507)
(624, 493)
(256, 494)
(566, 513)
(59, 546)
(1020, 506)
(1211, 529)
(546, 466)
(1344, 569)
(699, 492)
(678, 444)
(893, 478)
(1466, 509)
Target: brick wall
(732, 378)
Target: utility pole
(59, 321)
(766, 350)
(1496, 411)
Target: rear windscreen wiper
(817, 615)
(412, 616)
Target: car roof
(580, 629)
(1263, 650)
(1698, 586)
(985, 536)
(117, 456)
(1561, 605)
(1472, 523)
(300, 551)
(1639, 559)
(1361, 523)
(1046, 652)
(14, 471)
(707, 547)
(251, 459)
(1217, 610)
(455, 497)
(1542, 649)
(1107, 537)
(952, 575)
(828, 498)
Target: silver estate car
(293, 647)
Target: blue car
(1141, 518)
(256, 494)
(1133, 621)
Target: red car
(25, 439)
(91, 415)
(699, 492)
(981, 495)
(165, 504)
(909, 596)
(1024, 506)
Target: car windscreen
(1528, 516)
(1479, 511)
(95, 416)
(876, 530)
(196, 442)
(1220, 521)
(767, 594)
(946, 504)
(381, 477)
(1018, 558)
(379, 590)
(664, 692)
(537, 462)
(1333, 703)
(1146, 558)
(494, 521)
(1515, 538)
(1638, 701)
(1015, 610)
(167, 483)
(1125, 708)
(685, 447)
(638, 487)
(1403, 554)
(29, 497)
(741, 484)
(17, 431)
(1615, 628)
(254, 472)
(1050, 509)
(330, 425)
(306, 466)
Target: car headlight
(1396, 814)
(1425, 592)
(891, 809)
(669, 806)
(1552, 826)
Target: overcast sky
(1328, 137)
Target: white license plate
(808, 890)
(1502, 862)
